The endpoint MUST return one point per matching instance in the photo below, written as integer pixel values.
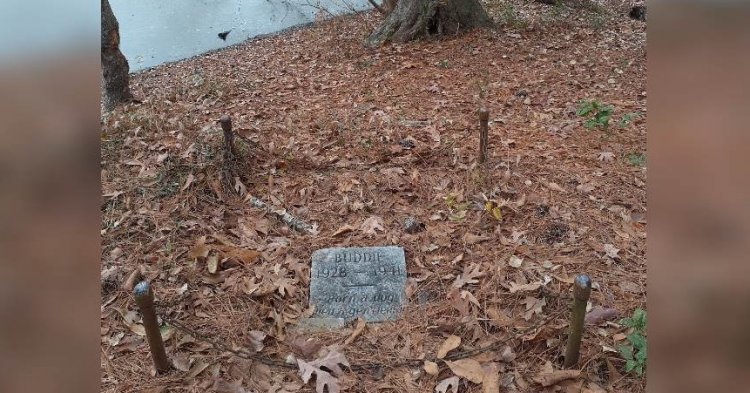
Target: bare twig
(283, 215)
(484, 117)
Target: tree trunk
(115, 67)
(414, 19)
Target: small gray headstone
(365, 282)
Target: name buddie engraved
(365, 282)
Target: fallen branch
(288, 219)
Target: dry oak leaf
(491, 379)
(449, 344)
(431, 368)
(467, 368)
(307, 348)
(469, 276)
(600, 314)
(256, 340)
(343, 230)
(533, 306)
(372, 225)
(548, 376)
(606, 156)
(474, 239)
(330, 361)
(513, 287)
(222, 386)
(451, 383)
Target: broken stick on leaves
(288, 219)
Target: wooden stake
(144, 298)
(226, 126)
(484, 117)
(581, 293)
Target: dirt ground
(354, 140)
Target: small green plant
(627, 118)
(596, 114)
(443, 64)
(635, 353)
(636, 159)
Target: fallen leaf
(549, 378)
(600, 314)
(606, 156)
(507, 355)
(556, 187)
(593, 388)
(357, 331)
(343, 230)
(431, 368)
(372, 225)
(469, 276)
(138, 329)
(222, 386)
(212, 263)
(196, 369)
(307, 348)
(330, 361)
(181, 362)
(491, 379)
(188, 182)
(533, 306)
(451, 383)
(513, 287)
(467, 368)
(611, 251)
(585, 188)
(449, 344)
(474, 239)
(614, 375)
(515, 261)
(199, 250)
(256, 340)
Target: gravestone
(365, 282)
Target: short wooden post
(226, 126)
(484, 117)
(144, 298)
(581, 293)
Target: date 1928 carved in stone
(365, 282)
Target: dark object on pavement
(638, 12)
(224, 35)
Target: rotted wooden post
(581, 293)
(226, 126)
(144, 298)
(484, 117)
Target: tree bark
(115, 85)
(414, 19)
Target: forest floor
(354, 140)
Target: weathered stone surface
(319, 324)
(361, 281)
